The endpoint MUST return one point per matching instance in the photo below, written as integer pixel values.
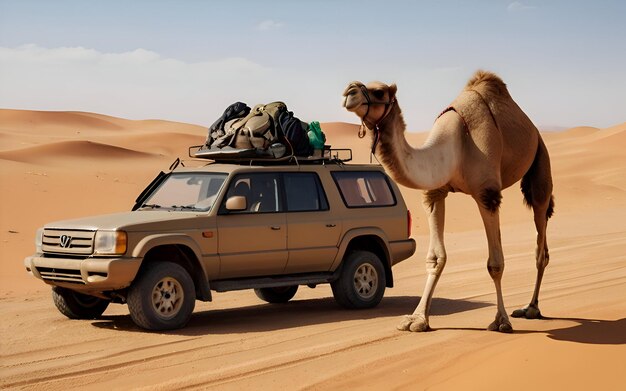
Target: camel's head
(370, 102)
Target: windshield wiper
(188, 207)
(153, 206)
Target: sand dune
(42, 121)
(58, 165)
(20, 129)
(35, 120)
(111, 148)
(177, 143)
(71, 149)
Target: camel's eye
(378, 94)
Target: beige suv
(222, 227)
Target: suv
(265, 226)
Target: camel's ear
(392, 90)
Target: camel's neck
(428, 167)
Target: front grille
(65, 256)
(54, 274)
(68, 241)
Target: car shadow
(296, 313)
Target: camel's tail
(537, 182)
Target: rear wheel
(76, 305)
(362, 281)
(162, 297)
(278, 294)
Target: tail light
(409, 220)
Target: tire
(277, 295)
(162, 297)
(362, 281)
(76, 305)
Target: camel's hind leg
(434, 203)
(489, 204)
(537, 188)
(542, 257)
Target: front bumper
(84, 275)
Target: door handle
(275, 227)
(331, 225)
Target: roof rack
(265, 157)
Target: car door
(253, 242)
(313, 229)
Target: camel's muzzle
(349, 96)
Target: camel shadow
(296, 313)
(591, 331)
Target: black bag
(216, 131)
(296, 132)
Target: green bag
(317, 138)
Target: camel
(481, 144)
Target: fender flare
(364, 231)
(149, 242)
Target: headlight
(110, 243)
(39, 240)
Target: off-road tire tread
(64, 301)
(136, 293)
(342, 288)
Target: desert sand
(59, 165)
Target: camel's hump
(489, 80)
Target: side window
(364, 189)
(259, 189)
(304, 192)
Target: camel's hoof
(527, 312)
(501, 325)
(414, 323)
(404, 324)
(505, 328)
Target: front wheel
(362, 281)
(277, 295)
(162, 297)
(76, 305)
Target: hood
(140, 220)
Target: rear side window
(304, 192)
(364, 188)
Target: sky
(564, 61)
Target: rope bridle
(374, 126)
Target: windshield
(187, 191)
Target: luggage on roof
(266, 131)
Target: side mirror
(236, 203)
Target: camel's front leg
(495, 263)
(435, 261)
